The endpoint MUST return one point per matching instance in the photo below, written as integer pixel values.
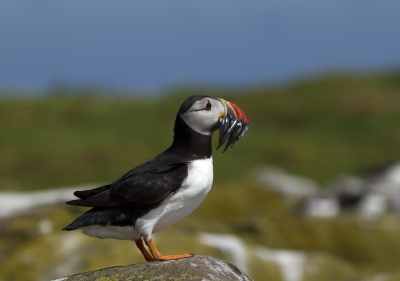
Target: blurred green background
(317, 128)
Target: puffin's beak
(233, 123)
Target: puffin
(166, 188)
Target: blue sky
(152, 45)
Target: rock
(291, 263)
(290, 186)
(195, 268)
(349, 190)
(323, 207)
(231, 245)
(20, 203)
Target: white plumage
(175, 207)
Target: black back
(143, 188)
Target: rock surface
(196, 268)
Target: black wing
(88, 193)
(146, 184)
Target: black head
(205, 114)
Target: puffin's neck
(189, 143)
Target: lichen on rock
(205, 268)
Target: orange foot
(155, 254)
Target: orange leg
(142, 248)
(157, 255)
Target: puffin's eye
(208, 106)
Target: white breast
(181, 203)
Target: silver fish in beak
(233, 124)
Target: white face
(203, 115)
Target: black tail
(83, 194)
(116, 216)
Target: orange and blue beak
(233, 124)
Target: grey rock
(290, 186)
(20, 203)
(204, 268)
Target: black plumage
(167, 188)
(144, 187)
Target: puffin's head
(206, 114)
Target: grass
(316, 128)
